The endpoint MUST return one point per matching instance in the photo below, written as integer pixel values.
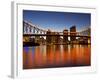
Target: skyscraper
(72, 33)
(48, 38)
(65, 36)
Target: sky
(58, 21)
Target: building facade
(73, 33)
(65, 36)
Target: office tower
(65, 36)
(73, 33)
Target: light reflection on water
(50, 56)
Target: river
(53, 56)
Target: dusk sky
(57, 21)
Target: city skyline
(57, 21)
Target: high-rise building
(52, 37)
(65, 36)
(57, 38)
(48, 38)
(73, 33)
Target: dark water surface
(50, 56)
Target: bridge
(34, 31)
(56, 35)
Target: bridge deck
(55, 35)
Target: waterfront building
(65, 36)
(37, 39)
(48, 38)
(73, 33)
(57, 38)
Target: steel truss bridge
(33, 30)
